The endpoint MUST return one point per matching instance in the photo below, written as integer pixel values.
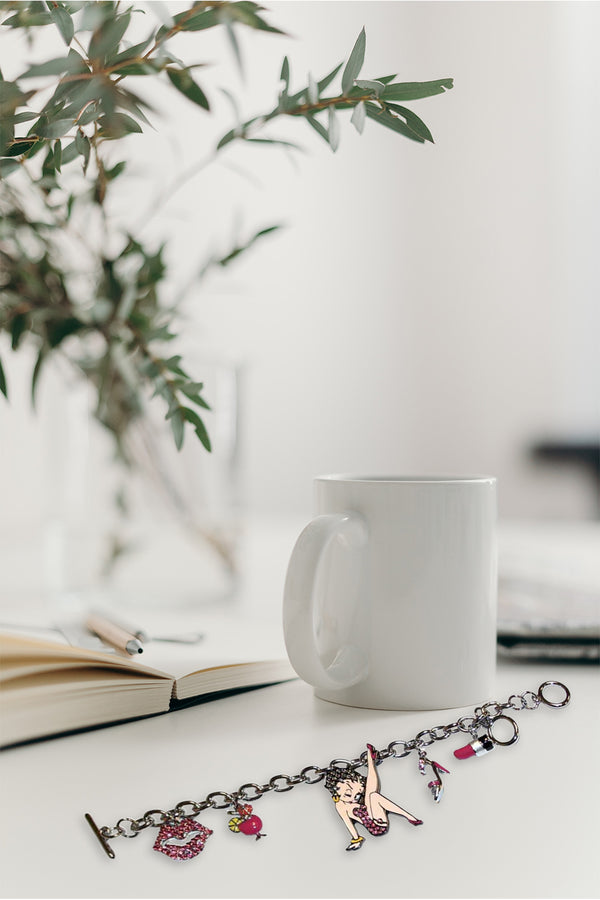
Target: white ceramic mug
(390, 595)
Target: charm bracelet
(356, 795)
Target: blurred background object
(549, 590)
(427, 308)
(80, 285)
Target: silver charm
(358, 800)
(435, 785)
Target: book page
(226, 640)
(20, 656)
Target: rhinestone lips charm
(182, 840)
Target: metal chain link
(482, 717)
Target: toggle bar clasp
(105, 845)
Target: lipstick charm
(482, 744)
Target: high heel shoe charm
(435, 785)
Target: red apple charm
(246, 822)
(252, 825)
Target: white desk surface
(519, 822)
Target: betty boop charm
(357, 797)
(358, 800)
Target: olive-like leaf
(359, 116)
(189, 21)
(52, 67)
(57, 155)
(186, 85)
(416, 90)
(18, 327)
(355, 62)
(233, 254)
(318, 127)
(199, 427)
(130, 53)
(235, 46)
(246, 12)
(89, 114)
(412, 121)
(19, 146)
(227, 138)
(106, 39)
(35, 377)
(83, 147)
(11, 96)
(23, 117)
(68, 155)
(374, 87)
(334, 129)
(58, 128)
(177, 422)
(326, 81)
(8, 166)
(118, 125)
(63, 22)
(115, 171)
(278, 142)
(3, 386)
(285, 73)
(138, 68)
(93, 16)
(27, 18)
(321, 85)
(385, 118)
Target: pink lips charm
(182, 840)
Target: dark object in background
(569, 646)
(583, 454)
(549, 590)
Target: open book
(49, 687)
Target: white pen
(114, 634)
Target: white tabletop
(519, 822)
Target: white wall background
(428, 308)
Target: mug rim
(407, 479)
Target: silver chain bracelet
(357, 796)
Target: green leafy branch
(114, 331)
(366, 98)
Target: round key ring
(512, 739)
(559, 684)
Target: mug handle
(349, 666)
